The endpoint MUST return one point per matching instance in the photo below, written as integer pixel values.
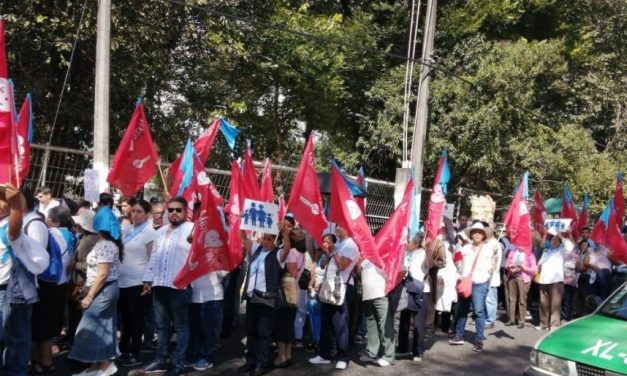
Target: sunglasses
(172, 210)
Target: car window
(616, 306)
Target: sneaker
(247, 367)
(368, 359)
(402, 354)
(383, 363)
(176, 371)
(417, 359)
(341, 365)
(202, 365)
(109, 371)
(319, 360)
(87, 372)
(478, 347)
(540, 327)
(456, 341)
(130, 361)
(155, 367)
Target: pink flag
(305, 200)
(24, 135)
(203, 146)
(517, 221)
(437, 200)
(234, 210)
(539, 213)
(266, 193)
(391, 240)
(282, 208)
(249, 176)
(346, 213)
(210, 251)
(136, 160)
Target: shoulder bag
(464, 285)
(332, 292)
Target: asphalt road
(506, 352)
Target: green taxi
(594, 345)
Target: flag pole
(165, 187)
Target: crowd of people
(101, 279)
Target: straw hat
(478, 226)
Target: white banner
(91, 185)
(260, 216)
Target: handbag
(332, 292)
(304, 279)
(464, 285)
(264, 298)
(291, 291)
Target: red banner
(266, 193)
(539, 213)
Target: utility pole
(422, 108)
(101, 95)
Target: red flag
(517, 221)
(305, 200)
(619, 199)
(7, 131)
(539, 213)
(437, 200)
(24, 129)
(209, 251)
(346, 213)
(136, 160)
(615, 241)
(391, 240)
(266, 193)
(282, 209)
(599, 233)
(582, 220)
(249, 177)
(234, 210)
(201, 184)
(203, 146)
(569, 211)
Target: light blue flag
(229, 132)
(187, 167)
(414, 221)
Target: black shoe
(129, 361)
(247, 367)
(259, 371)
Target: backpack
(55, 268)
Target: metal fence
(65, 167)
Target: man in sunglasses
(171, 305)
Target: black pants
(567, 301)
(419, 319)
(131, 311)
(334, 321)
(232, 285)
(260, 321)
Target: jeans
(301, 316)
(313, 307)
(380, 324)
(130, 307)
(478, 299)
(491, 302)
(603, 285)
(260, 321)
(205, 324)
(17, 338)
(334, 325)
(171, 311)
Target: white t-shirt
(347, 249)
(208, 287)
(483, 270)
(45, 208)
(136, 257)
(34, 257)
(552, 262)
(497, 254)
(414, 262)
(169, 254)
(257, 269)
(372, 281)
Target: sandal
(39, 369)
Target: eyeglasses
(172, 210)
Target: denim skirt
(95, 338)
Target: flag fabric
(186, 168)
(136, 159)
(599, 233)
(346, 213)
(539, 213)
(391, 240)
(305, 201)
(414, 221)
(582, 221)
(619, 199)
(229, 132)
(202, 147)
(607, 233)
(7, 131)
(282, 209)
(210, 249)
(234, 210)
(266, 193)
(517, 221)
(25, 136)
(196, 189)
(437, 200)
(361, 180)
(569, 211)
(249, 176)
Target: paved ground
(506, 352)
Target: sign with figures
(260, 216)
(559, 224)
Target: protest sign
(260, 216)
(91, 184)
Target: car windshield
(616, 306)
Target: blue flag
(229, 132)
(187, 167)
(414, 221)
(355, 189)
